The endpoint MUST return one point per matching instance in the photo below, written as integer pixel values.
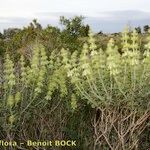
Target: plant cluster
(99, 97)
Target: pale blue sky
(107, 15)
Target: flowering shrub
(114, 84)
(117, 85)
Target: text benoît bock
(30, 143)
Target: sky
(102, 15)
